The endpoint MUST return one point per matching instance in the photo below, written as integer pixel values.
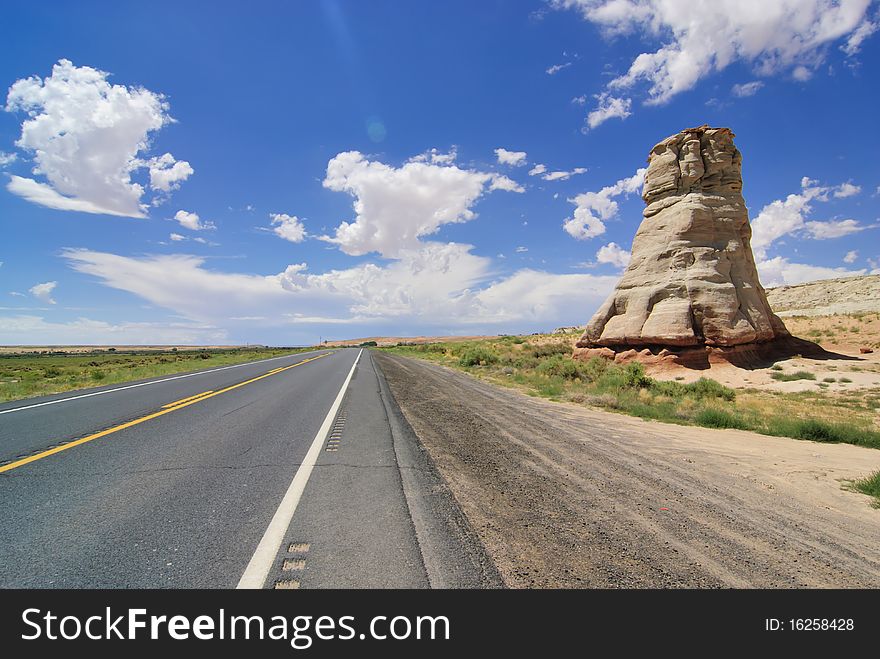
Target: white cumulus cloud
(614, 254)
(288, 227)
(747, 89)
(418, 286)
(687, 41)
(854, 43)
(166, 173)
(435, 285)
(437, 157)
(592, 209)
(851, 256)
(832, 228)
(86, 138)
(512, 158)
(44, 291)
(846, 190)
(396, 206)
(780, 271)
(192, 221)
(608, 107)
(563, 175)
(537, 170)
(790, 216)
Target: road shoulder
(564, 496)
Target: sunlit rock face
(692, 279)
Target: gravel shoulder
(564, 496)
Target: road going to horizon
(297, 471)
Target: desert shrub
(477, 356)
(365, 344)
(552, 388)
(823, 431)
(550, 349)
(559, 366)
(789, 377)
(706, 388)
(651, 409)
(631, 376)
(634, 376)
(524, 362)
(818, 431)
(595, 368)
(869, 486)
(603, 400)
(670, 389)
(430, 347)
(710, 417)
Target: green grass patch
(869, 486)
(714, 418)
(37, 374)
(823, 431)
(477, 356)
(790, 377)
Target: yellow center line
(165, 410)
(189, 398)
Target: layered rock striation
(692, 281)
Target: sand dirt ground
(858, 372)
(564, 496)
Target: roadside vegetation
(542, 365)
(790, 377)
(869, 486)
(49, 372)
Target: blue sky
(279, 172)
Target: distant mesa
(691, 293)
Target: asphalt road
(294, 472)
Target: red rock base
(748, 356)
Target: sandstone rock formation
(692, 282)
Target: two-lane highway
(283, 472)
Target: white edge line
(146, 384)
(264, 557)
